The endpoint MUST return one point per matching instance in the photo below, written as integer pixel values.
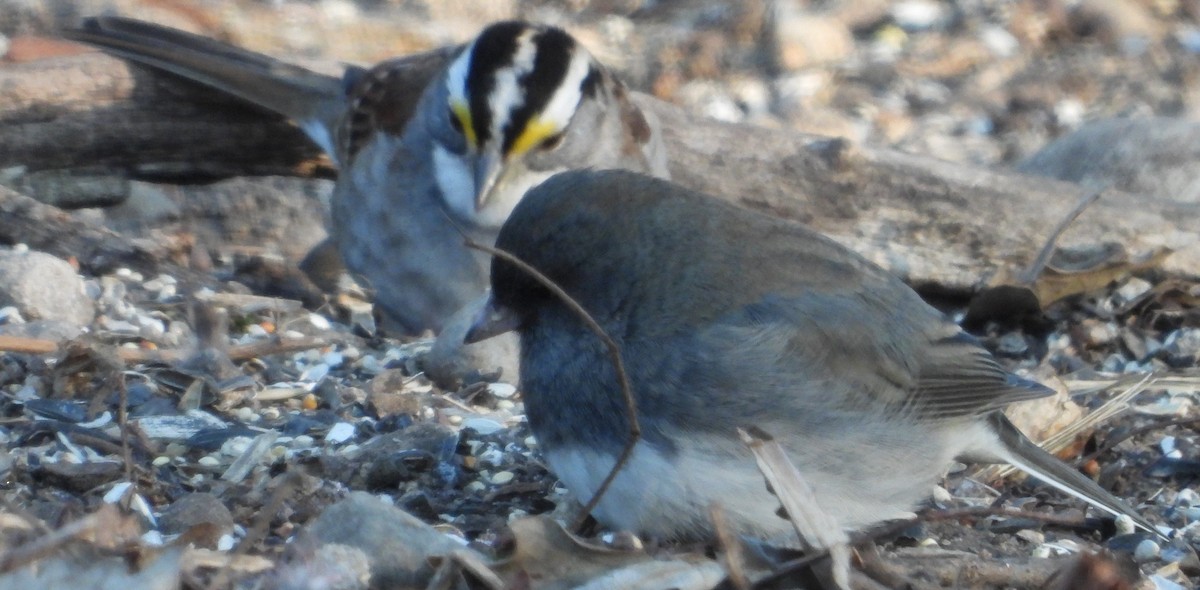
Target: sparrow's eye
(551, 142)
(454, 121)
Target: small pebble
(502, 477)
(257, 331)
(303, 441)
(315, 373)
(492, 457)
(502, 390)
(371, 365)
(225, 543)
(505, 405)
(319, 321)
(916, 15)
(475, 487)
(454, 419)
(236, 446)
(161, 460)
(483, 426)
(1133, 288)
(340, 433)
(1147, 550)
(245, 414)
(115, 493)
(10, 315)
(153, 539)
(1124, 525)
(1187, 497)
(209, 461)
(999, 41)
(1031, 536)
(530, 442)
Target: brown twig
(103, 519)
(1031, 273)
(22, 345)
(258, 530)
(123, 423)
(614, 353)
(1113, 441)
(138, 355)
(789, 567)
(735, 570)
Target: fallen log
(937, 224)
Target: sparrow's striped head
(511, 94)
(516, 87)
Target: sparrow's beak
(488, 169)
(492, 320)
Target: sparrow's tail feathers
(312, 100)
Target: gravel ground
(248, 416)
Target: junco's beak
(493, 320)
(488, 169)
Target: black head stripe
(494, 49)
(591, 84)
(552, 58)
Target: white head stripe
(456, 76)
(508, 94)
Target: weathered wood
(931, 221)
(91, 112)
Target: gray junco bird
(728, 318)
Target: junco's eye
(551, 142)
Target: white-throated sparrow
(514, 106)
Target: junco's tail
(1022, 453)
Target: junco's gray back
(728, 318)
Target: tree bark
(935, 223)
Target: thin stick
(1113, 441)
(1030, 274)
(123, 423)
(21, 345)
(787, 568)
(614, 353)
(735, 570)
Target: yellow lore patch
(463, 113)
(537, 131)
